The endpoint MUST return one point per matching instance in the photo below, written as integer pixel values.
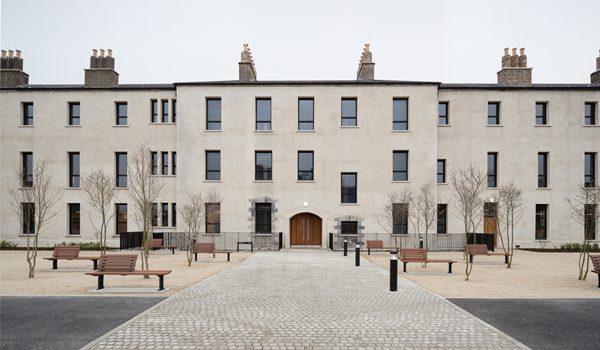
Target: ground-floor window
(349, 227)
(590, 221)
(165, 214)
(121, 218)
(442, 211)
(541, 221)
(174, 215)
(263, 217)
(400, 218)
(213, 217)
(28, 218)
(154, 214)
(74, 219)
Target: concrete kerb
(124, 325)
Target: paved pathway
(304, 299)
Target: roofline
(307, 82)
(499, 87)
(66, 87)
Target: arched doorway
(305, 230)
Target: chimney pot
(514, 51)
(101, 52)
(10, 53)
(3, 53)
(95, 52)
(109, 52)
(18, 53)
(522, 51)
(505, 51)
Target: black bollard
(357, 254)
(345, 247)
(394, 272)
(421, 243)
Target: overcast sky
(176, 41)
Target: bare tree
(99, 191)
(145, 190)
(468, 184)
(585, 205)
(194, 216)
(510, 208)
(33, 201)
(424, 211)
(213, 211)
(395, 214)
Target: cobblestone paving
(305, 299)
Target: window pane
(400, 166)
(121, 218)
(213, 110)
(349, 227)
(154, 111)
(174, 111)
(174, 163)
(443, 113)
(348, 188)
(165, 163)
(263, 161)
(75, 172)
(121, 169)
(263, 217)
(400, 110)
(348, 108)
(165, 214)
(74, 113)
(305, 110)
(540, 221)
(492, 181)
(305, 166)
(263, 110)
(74, 219)
(213, 165)
(348, 122)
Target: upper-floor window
(174, 107)
(74, 113)
(154, 111)
(443, 114)
(306, 116)
(590, 170)
(305, 166)
(121, 113)
(540, 113)
(493, 113)
(400, 166)
(213, 165)
(590, 114)
(165, 163)
(442, 217)
(165, 111)
(27, 169)
(349, 112)
(441, 171)
(213, 114)
(263, 114)
(542, 170)
(174, 167)
(27, 113)
(349, 188)
(400, 114)
(121, 160)
(154, 156)
(74, 219)
(492, 173)
(264, 166)
(74, 169)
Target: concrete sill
(162, 123)
(544, 188)
(442, 183)
(591, 126)
(401, 131)
(26, 126)
(348, 127)
(120, 126)
(78, 236)
(444, 125)
(494, 125)
(213, 181)
(263, 181)
(305, 181)
(305, 130)
(121, 188)
(259, 131)
(349, 204)
(542, 125)
(213, 130)
(72, 126)
(400, 182)
(72, 188)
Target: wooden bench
(377, 245)
(207, 248)
(69, 252)
(420, 255)
(596, 270)
(158, 243)
(482, 249)
(124, 265)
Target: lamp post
(394, 272)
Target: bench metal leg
(95, 264)
(368, 251)
(195, 256)
(161, 285)
(449, 267)
(238, 247)
(471, 259)
(251, 247)
(506, 259)
(228, 257)
(599, 280)
(173, 250)
(404, 267)
(54, 264)
(101, 282)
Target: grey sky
(171, 41)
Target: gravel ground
(14, 272)
(532, 274)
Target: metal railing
(223, 240)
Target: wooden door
(305, 230)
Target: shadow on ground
(546, 324)
(64, 322)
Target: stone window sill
(444, 125)
(305, 181)
(349, 127)
(78, 236)
(120, 126)
(72, 188)
(544, 188)
(401, 131)
(259, 131)
(213, 181)
(401, 182)
(26, 126)
(162, 123)
(442, 183)
(213, 130)
(494, 125)
(72, 126)
(306, 130)
(591, 126)
(263, 181)
(349, 204)
(542, 125)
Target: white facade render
(384, 135)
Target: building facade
(305, 158)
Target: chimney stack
(11, 68)
(366, 66)
(246, 65)
(102, 70)
(595, 77)
(514, 69)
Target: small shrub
(8, 244)
(83, 245)
(595, 246)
